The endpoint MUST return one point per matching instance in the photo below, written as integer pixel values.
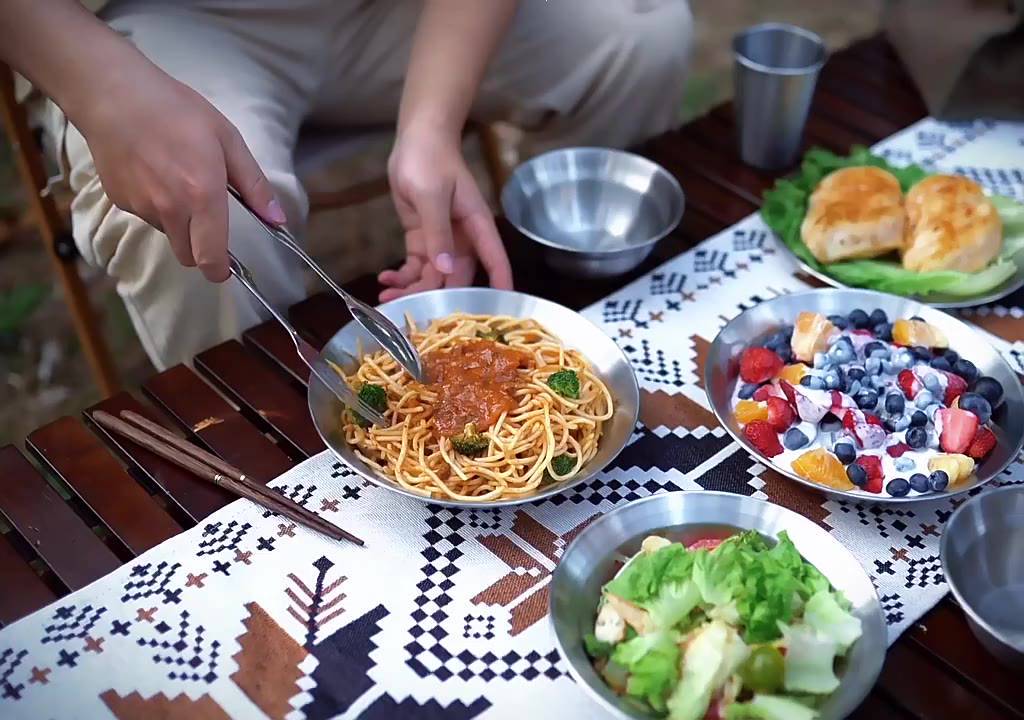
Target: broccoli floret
(494, 335)
(470, 443)
(566, 383)
(373, 395)
(562, 464)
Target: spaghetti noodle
(506, 409)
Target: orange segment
(822, 467)
(918, 332)
(793, 373)
(810, 335)
(747, 411)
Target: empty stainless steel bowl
(982, 553)
(598, 211)
(592, 558)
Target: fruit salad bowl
(866, 396)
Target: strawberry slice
(790, 392)
(958, 429)
(982, 444)
(897, 450)
(763, 437)
(866, 428)
(780, 414)
(873, 419)
(873, 467)
(763, 393)
(908, 383)
(863, 331)
(955, 387)
(758, 365)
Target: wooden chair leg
(490, 145)
(55, 237)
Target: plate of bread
(858, 221)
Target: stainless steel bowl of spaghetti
(522, 399)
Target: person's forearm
(454, 41)
(63, 49)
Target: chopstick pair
(211, 468)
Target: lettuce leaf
(809, 661)
(785, 206)
(653, 664)
(770, 707)
(712, 655)
(641, 580)
(673, 604)
(826, 617)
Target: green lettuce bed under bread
(785, 206)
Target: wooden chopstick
(211, 468)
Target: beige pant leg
(604, 72)
(264, 90)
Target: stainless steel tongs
(317, 364)
(374, 322)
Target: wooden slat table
(98, 501)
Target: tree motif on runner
(185, 649)
(10, 659)
(219, 536)
(148, 580)
(315, 607)
(70, 622)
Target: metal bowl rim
(874, 604)
(943, 560)
(677, 192)
(368, 474)
(850, 494)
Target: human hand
(448, 225)
(165, 154)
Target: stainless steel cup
(776, 67)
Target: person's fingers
(483, 234)
(462, 274)
(434, 210)
(430, 280)
(244, 173)
(404, 275)
(208, 231)
(175, 227)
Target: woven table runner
(443, 614)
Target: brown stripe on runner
(659, 409)
(997, 321)
(701, 348)
(180, 707)
(268, 663)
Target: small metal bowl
(604, 356)
(598, 211)
(982, 553)
(593, 557)
(721, 372)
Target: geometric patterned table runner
(443, 614)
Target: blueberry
(842, 350)
(858, 318)
(839, 321)
(951, 356)
(941, 363)
(747, 391)
(883, 331)
(975, 403)
(832, 381)
(938, 480)
(966, 370)
(866, 399)
(990, 389)
(904, 359)
(873, 366)
(918, 419)
(820, 360)
(878, 317)
(932, 383)
(875, 349)
(932, 409)
(902, 423)
(903, 464)
(917, 438)
(889, 424)
(853, 388)
(858, 475)
(921, 352)
(830, 423)
(855, 373)
(924, 398)
(816, 383)
(894, 403)
(898, 487)
(888, 368)
(919, 483)
(845, 452)
(794, 439)
(918, 318)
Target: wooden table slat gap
(264, 396)
(24, 591)
(50, 528)
(123, 506)
(275, 346)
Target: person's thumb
(245, 175)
